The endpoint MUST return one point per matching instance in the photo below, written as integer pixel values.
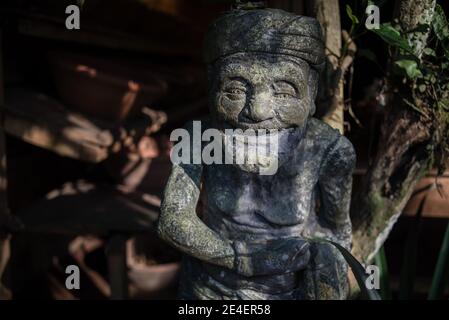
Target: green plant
(425, 71)
(381, 261)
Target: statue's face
(261, 91)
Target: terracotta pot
(437, 202)
(153, 267)
(154, 278)
(105, 89)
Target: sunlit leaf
(422, 88)
(440, 23)
(410, 68)
(429, 52)
(380, 260)
(392, 36)
(351, 16)
(441, 28)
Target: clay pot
(153, 267)
(154, 281)
(437, 202)
(102, 88)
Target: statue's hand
(272, 257)
(325, 277)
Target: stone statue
(258, 236)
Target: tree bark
(330, 99)
(402, 156)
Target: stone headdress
(265, 31)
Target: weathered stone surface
(257, 237)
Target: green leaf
(441, 28)
(410, 67)
(359, 272)
(440, 23)
(392, 36)
(422, 88)
(429, 52)
(381, 261)
(441, 270)
(351, 16)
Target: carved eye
(235, 90)
(284, 95)
(284, 90)
(235, 93)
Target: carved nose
(258, 109)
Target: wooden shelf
(42, 121)
(46, 123)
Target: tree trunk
(330, 99)
(402, 157)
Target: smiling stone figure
(257, 236)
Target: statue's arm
(326, 274)
(335, 184)
(179, 224)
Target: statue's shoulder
(321, 134)
(333, 145)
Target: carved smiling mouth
(248, 121)
(244, 124)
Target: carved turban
(265, 31)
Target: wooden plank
(42, 121)
(46, 123)
(47, 138)
(118, 273)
